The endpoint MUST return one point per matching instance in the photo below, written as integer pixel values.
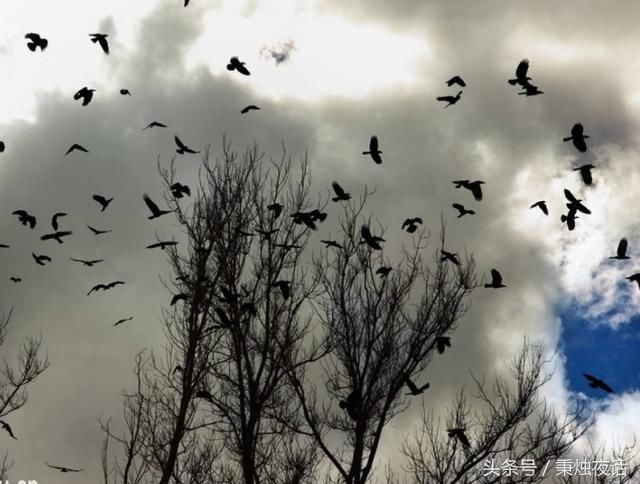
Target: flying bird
(621, 252)
(235, 64)
(460, 435)
(2, 147)
(284, 287)
(4, 246)
(413, 389)
(530, 90)
(574, 203)
(341, 195)
(450, 100)
(120, 321)
(578, 137)
(369, 239)
(496, 280)
(6, 427)
(443, 342)
(76, 146)
(182, 148)
(542, 205)
(411, 224)
(474, 187)
(598, 383)
(102, 40)
(88, 263)
(155, 211)
(331, 243)
(97, 231)
(57, 236)
(179, 297)
(569, 219)
(25, 218)
(521, 74)
(462, 211)
(40, 259)
(250, 107)
(450, 256)
(634, 278)
(178, 190)
(104, 202)
(64, 469)
(384, 271)
(373, 150)
(85, 94)
(15, 279)
(54, 219)
(225, 322)
(105, 287)
(585, 173)
(162, 244)
(154, 124)
(36, 41)
(456, 80)
(276, 208)
(125, 92)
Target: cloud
(279, 53)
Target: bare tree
(15, 379)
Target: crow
(351, 405)
(410, 224)
(85, 94)
(155, 211)
(4, 246)
(450, 100)
(64, 469)
(125, 92)
(369, 239)
(413, 389)
(530, 90)
(373, 150)
(634, 278)
(284, 287)
(25, 218)
(97, 231)
(6, 427)
(105, 287)
(182, 148)
(521, 74)
(597, 383)
(104, 202)
(450, 256)
(179, 297)
(36, 41)
(225, 322)
(621, 253)
(341, 195)
(443, 342)
(542, 205)
(162, 244)
(235, 64)
(102, 40)
(383, 271)
(40, 259)
(331, 243)
(276, 208)
(459, 434)
(250, 107)
(57, 236)
(2, 146)
(456, 80)
(574, 203)
(474, 187)
(120, 321)
(88, 263)
(462, 211)
(178, 190)
(569, 219)
(304, 218)
(154, 124)
(578, 137)
(585, 173)
(76, 146)
(496, 280)
(204, 394)
(15, 279)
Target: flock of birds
(311, 219)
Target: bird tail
(567, 138)
(335, 199)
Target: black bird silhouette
(306, 218)
(574, 203)
(125, 92)
(496, 280)
(178, 190)
(6, 427)
(182, 148)
(15, 279)
(64, 469)
(57, 236)
(104, 202)
(85, 94)
(54, 219)
(186, 2)
(634, 278)
(384, 271)
(154, 124)
(462, 211)
(4, 246)
(413, 389)
(25, 218)
(102, 40)
(155, 211)
(204, 394)
(474, 187)
(284, 287)
(443, 342)
(456, 80)
(40, 259)
(331, 243)
(411, 224)
(228, 296)
(578, 137)
(163, 244)
(621, 252)
(585, 173)
(88, 263)
(2, 147)
(597, 383)
(369, 239)
(289, 246)
(530, 90)
(250, 107)
(120, 321)
(36, 41)
(352, 405)
(276, 208)
(235, 64)
(521, 74)
(340, 193)
(179, 297)
(225, 322)
(450, 100)
(542, 205)
(460, 435)
(76, 146)
(373, 150)
(97, 231)
(105, 287)
(569, 219)
(450, 256)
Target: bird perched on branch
(352, 405)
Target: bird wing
(410, 384)
(100, 199)
(338, 189)
(476, 190)
(496, 278)
(180, 144)
(605, 387)
(376, 157)
(591, 378)
(570, 196)
(622, 248)
(152, 206)
(104, 44)
(521, 70)
(55, 467)
(458, 206)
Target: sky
(327, 75)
